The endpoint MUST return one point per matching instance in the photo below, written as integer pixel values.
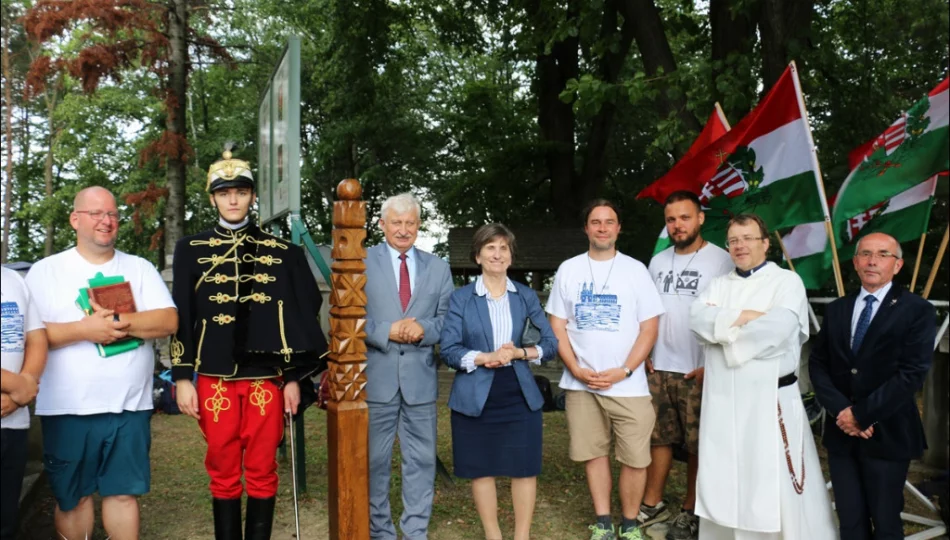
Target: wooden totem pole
(347, 414)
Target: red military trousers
(243, 422)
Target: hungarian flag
(904, 216)
(715, 127)
(806, 246)
(912, 149)
(764, 165)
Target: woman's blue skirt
(505, 440)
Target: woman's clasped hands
(501, 357)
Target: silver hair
(900, 252)
(401, 204)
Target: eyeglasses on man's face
(99, 215)
(742, 241)
(867, 254)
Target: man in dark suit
(871, 357)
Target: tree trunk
(51, 98)
(8, 125)
(784, 26)
(175, 125)
(656, 53)
(556, 119)
(592, 176)
(733, 34)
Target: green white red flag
(904, 216)
(764, 165)
(911, 150)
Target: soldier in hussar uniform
(248, 306)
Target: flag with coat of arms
(765, 165)
(894, 175)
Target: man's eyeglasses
(735, 242)
(880, 255)
(99, 215)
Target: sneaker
(598, 532)
(648, 516)
(630, 534)
(685, 526)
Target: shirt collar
(749, 272)
(226, 229)
(394, 253)
(482, 290)
(879, 294)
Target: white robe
(744, 490)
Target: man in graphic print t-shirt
(604, 310)
(675, 371)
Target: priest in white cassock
(759, 476)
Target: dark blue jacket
(467, 327)
(881, 380)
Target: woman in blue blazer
(495, 402)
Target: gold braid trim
(217, 403)
(223, 319)
(219, 278)
(238, 240)
(260, 396)
(215, 259)
(201, 342)
(258, 297)
(260, 278)
(286, 351)
(222, 298)
(177, 350)
(269, 242)
(213, 242)
(263, 259)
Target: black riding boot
(260, 517)
(227, 519)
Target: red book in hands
(116, 297)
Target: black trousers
(869, 496)
(13, 450)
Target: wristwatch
(627, 372)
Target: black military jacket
(248, 307)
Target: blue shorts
(105, 453)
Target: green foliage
(443, 98)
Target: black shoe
(260, 518)
(227, 519)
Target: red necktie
(405, 292)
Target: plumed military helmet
(228, 172)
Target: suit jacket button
(854, 371)
(402, 353)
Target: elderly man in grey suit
(407, 294)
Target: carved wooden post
(347, 414)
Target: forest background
(512, 111)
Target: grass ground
(179, 506)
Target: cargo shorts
(677, 401)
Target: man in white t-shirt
(95, 411)
(604, 311)
(675, 372)
(23, 356)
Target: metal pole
(293, 468)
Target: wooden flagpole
(821, 183)
(722, 116)
(920, 254)
(791, 265)
(939, 259)
(834, 258)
